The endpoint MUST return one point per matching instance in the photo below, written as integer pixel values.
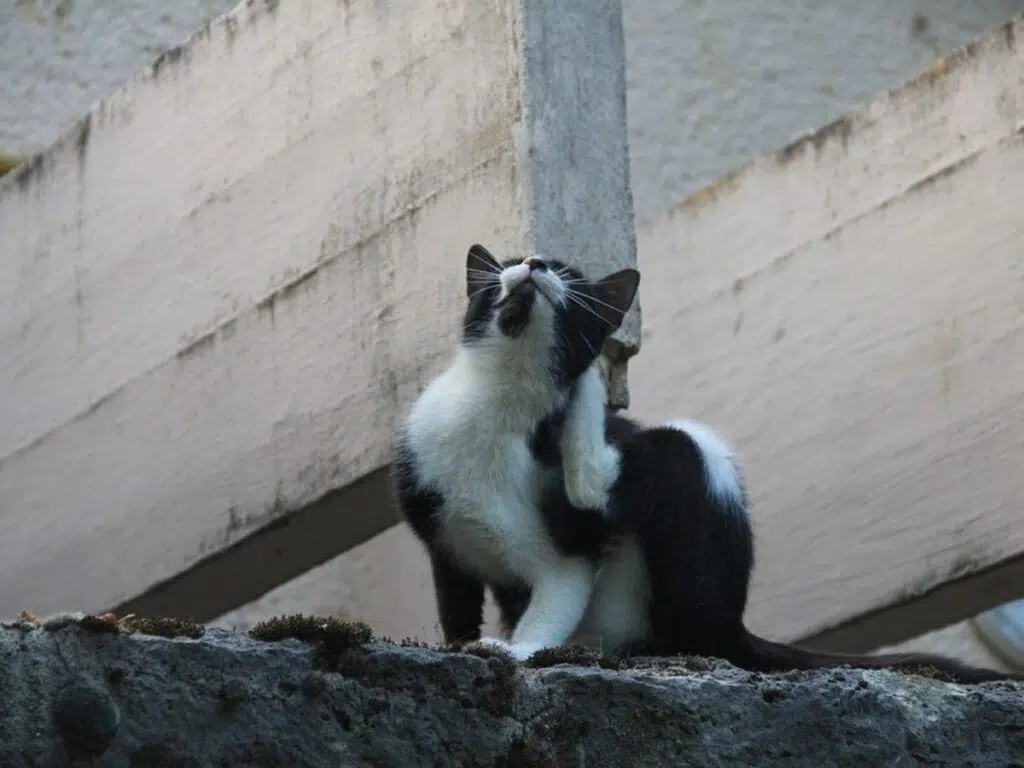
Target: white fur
(590, 465)
(723, 478)
(470, 431)
(618, 609)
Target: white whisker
(492, 276)
(490, 267)
(597, 301)
(575, 298)
(478, 291)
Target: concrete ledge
(334, 699)
(218, 291)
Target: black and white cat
(467, 472)
(586, 526)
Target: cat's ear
(482, 269)
(613, 296)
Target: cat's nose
(535, 263)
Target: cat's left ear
(614, 294)
(482, 269)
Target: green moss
(313, 629)
(331, 635)
(100, 624)
(162, 626)
(927, 670)
(577, 655)
(408, 642)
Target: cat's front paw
(589, 478)
(518, 651)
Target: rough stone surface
(228, 699)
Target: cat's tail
(760, 655)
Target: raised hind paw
(590, 475)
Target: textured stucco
(713, 84)
(59, 56)
(710, 84)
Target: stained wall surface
(710, 84)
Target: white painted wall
(711, 84)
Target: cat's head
(542, 308)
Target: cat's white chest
(490, 483)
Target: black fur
(459, 595)
(700, 556)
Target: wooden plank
(217, 292)
(850, 313)
(281, 551)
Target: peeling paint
(168, 58)
(839, 130)
(230, 29)
(80, 138)
(707, 195)
(25, 174)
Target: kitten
(468, 478)
(586, 526)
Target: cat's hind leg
(460, 600)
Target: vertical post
(575, 149)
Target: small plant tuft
(927, 670)
(408, 642)
(331, 635)
(163, 626)
(313, 629)
(577, 655)
(105, 624)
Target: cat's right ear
(614, 295)
(482, 269)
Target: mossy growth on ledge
(332, 636)
(576, 655)
(163, 626)
(313, 629)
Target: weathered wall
(714, 84)
(711, 85)
(848, 311)
(340, 701)
(219, 289)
